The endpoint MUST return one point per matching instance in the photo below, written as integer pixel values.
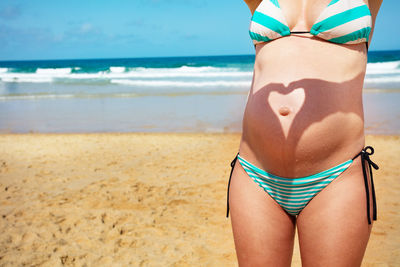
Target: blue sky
(43, 29)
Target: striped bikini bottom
(293, 194)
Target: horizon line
(108, 58)
(111, 58)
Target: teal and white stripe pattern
(268, 22)
(342, 21)
(293, 194)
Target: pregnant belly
(303, 128)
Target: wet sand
(164, 113)
(143, 200)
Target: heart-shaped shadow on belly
(310, 101)
(290, 103)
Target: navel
(284, 111)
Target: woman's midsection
(304, 112)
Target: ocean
(166, 94)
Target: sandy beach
(144, 200)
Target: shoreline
(188, 113)
(144, 199)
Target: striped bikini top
(342, 21)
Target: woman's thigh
(262, 230)
(333, 228)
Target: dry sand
(143, 200)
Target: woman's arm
(253, 4)
(374, 6)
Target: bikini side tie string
(365, 157)
(229, 183)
